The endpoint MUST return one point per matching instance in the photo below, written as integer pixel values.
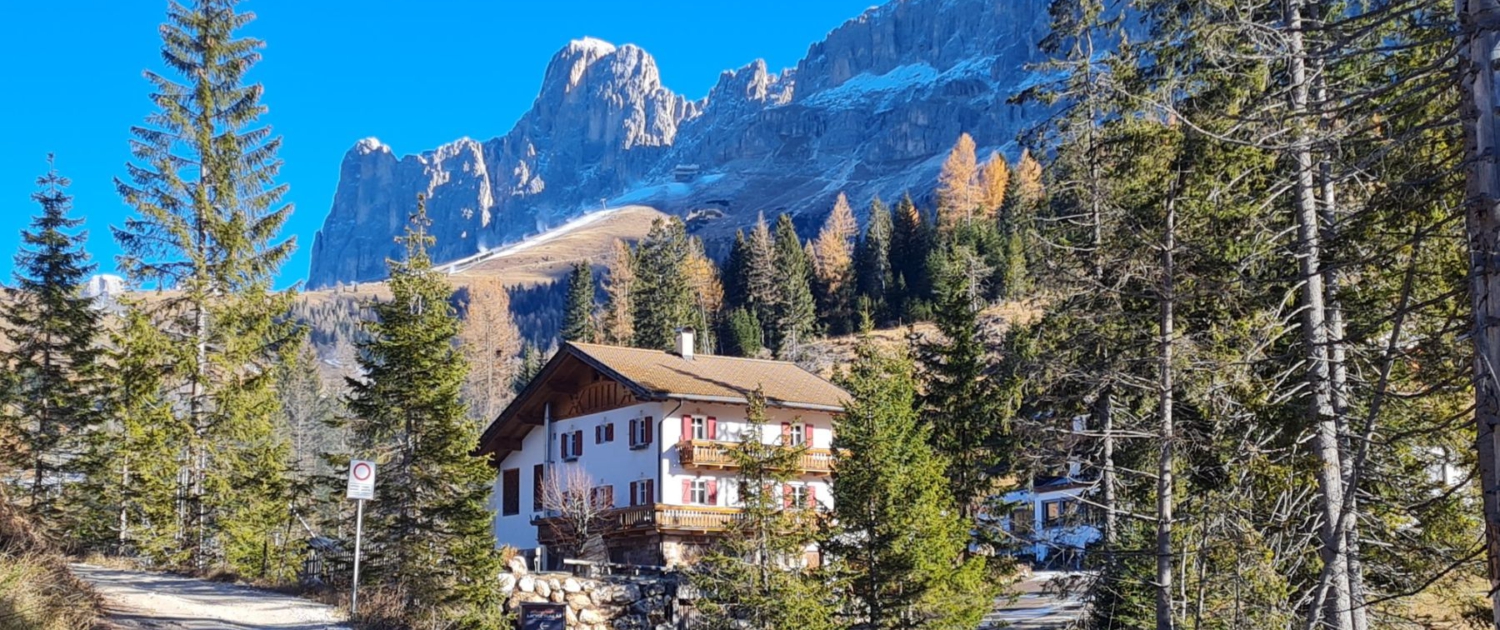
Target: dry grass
(37, 592)
(824, 356)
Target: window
(510, 492)
(604, 433)
(571, 445)
(1059, 512)
(604, 497)
(698, 492)
(798, 496)
(1021, 520)
(538, 482)
(700, 428)
(641, 430)
(796, 435)
(643, 492)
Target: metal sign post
(361, 489)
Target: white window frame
(799, 496)
(642, 488)
(700, 428)
(797, 436)
(698, 492)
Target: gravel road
(137, 600)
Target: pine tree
(795, 316)
(833, 267)
(578, 311)
(661, 298)
(1020, 205)
(742, 333)
(428, 531)
(616, 325)
(490, 342)
(206, 224)
(958, 190)
(899, 542)
(750, 578)
(533, 359)
(50, 332)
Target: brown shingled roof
(657, 375)
(716, 378)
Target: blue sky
(415, 74)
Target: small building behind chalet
(651, 430)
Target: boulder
(526, 584)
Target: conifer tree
(872, 264)
(533, 359)
(616, 324)
(994, 182)
(130, 495)
(490, 342)
(578, 310)
(899, 542)
(762, 293)
(208, 214)
(732, 273)
(795, 314)
(964, 401)
(661, 298)
(428, 531)
(742, 334)
(751, 579)
(833, 267)
(50, 329)
(1016, 216)
(958, 192)
(911, 242)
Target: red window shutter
(634, 431)
(713, 428)
(786, 494)
(812, 497)
(599, 434)
(687, 428)
(633, 494)
(578, 442)
(649, 430)
(609, 432)
(650, 492)
(807, 430)
(563, 446)
(713, 491)
(786, 434)
(687, 490)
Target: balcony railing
(708, 454)
(674, 518)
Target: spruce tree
(751, 577)
(795, 316)
(964, 401)
(762, 294)
(899, 542)
(662, 297)
(207, 218)
(50, 330)
(428, 531)
(872, 263)
(742, 333)
(732, 273)
(578, 310)
(911, 242)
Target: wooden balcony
(711, 455)
(680, 518)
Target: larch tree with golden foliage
(491, 344)
(994, 179)
(957, 191)
(616, 327)
(833, 267)
(708, 294)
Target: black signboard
(544, 617)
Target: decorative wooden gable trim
(601, 395)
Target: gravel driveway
(137, 600)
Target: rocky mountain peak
(869, 111)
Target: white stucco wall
(730, 425)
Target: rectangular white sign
(362, 479)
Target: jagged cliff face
(871, 110)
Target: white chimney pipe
(685, 342)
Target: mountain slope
(870, 111)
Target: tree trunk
(1479, 35)
(1164, 483)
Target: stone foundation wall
(607, 603)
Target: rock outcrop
(869, 111)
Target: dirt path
(137, 600)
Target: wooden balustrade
(707, 454)
(674, 517)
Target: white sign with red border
(362, 479)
